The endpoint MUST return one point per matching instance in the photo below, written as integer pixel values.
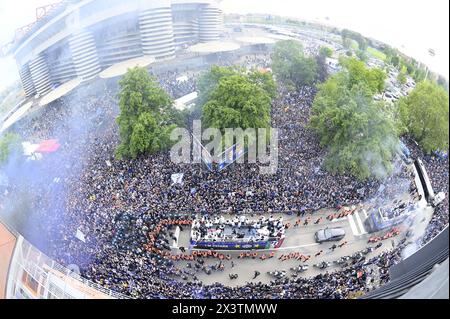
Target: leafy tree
(347, 43)
(424, 113)
(362, 43)
(146, 114)
(237, 103)
(373, 78)
(395, 60)
(348, 35)
(419, 75)
(325, 52)
(265, 81)
(362, 55)
(304, 71)
(360, 138)
(9, 144)
(322, 68)
(401, 77)
(209, 80)
(291, 66)
(377, 78)
(148, 136)
(286, 51)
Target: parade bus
(233, 237)
(238, 244)
(385, 218)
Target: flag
(80, 235)
(48, 146)
(177, 178)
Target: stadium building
(80, 38)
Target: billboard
(237, 245)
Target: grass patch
(376, 53)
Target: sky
(412, 26)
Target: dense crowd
(437, 170)
(116, 204)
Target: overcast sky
(413, 26)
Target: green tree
(209, 80)
(362, 55)
(401, 77)
(9, 144)
(424, 113)
(347, 43)
(361, 139)
(291, 66)
(146, 114)
(237, 103)
(325, 52)
(148, 136)
(373, 78)
(322, 67)
(395, 60)
(265, 81)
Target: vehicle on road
(329, 234)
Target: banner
(177, 178)
(230, 155)
(80, 235)
(231, 245)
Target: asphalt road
(298, 239)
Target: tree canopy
(361, 139)
(291, 66)
(209, 80)
(358, 73)
(237, 102)
(9, 143)
(401, 77)
(146, 115)
(348, 34)
(325, 52)
(424, 113)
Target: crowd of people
(437, 170)
(119, 205)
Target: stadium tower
(80, 38)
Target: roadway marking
(360, 224)
(352, 225)
(258, 250)
(365, 213)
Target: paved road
(298, 239)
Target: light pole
(432, 53)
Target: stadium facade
(79, 38)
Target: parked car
(329, 234)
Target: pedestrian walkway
(356, 222)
